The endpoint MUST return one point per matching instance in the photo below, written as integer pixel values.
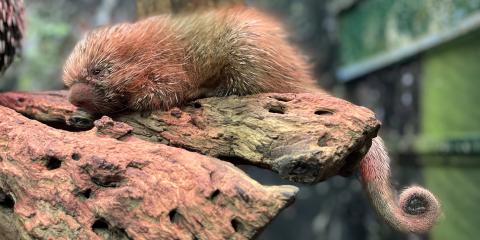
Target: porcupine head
(126, 67)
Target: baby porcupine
(165, 61)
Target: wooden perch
(304, 137)
(57, 184)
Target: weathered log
(58, 184)
(304, 137)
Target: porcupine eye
(99, 72)
(96, 71)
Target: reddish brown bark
(57, 184)
(106, 183)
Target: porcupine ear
(416, 210)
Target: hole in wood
(86, 193)
(323, 140)
(197, 105)
(323, 112)
(107, 180)
(237, 225)
(6, 201)
(174, 216)
(21, 99)
(104, 229)
(282, 98)
(100, 225)
(52, 162)
(279, 109)
(76, 156)
(214, 195)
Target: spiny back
(244, 50)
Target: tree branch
(304, 137)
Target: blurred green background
(414, 62)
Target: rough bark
(151, 7)
(58, 184)
(304, 137)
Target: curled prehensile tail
(416, 209)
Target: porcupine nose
(82, 96)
